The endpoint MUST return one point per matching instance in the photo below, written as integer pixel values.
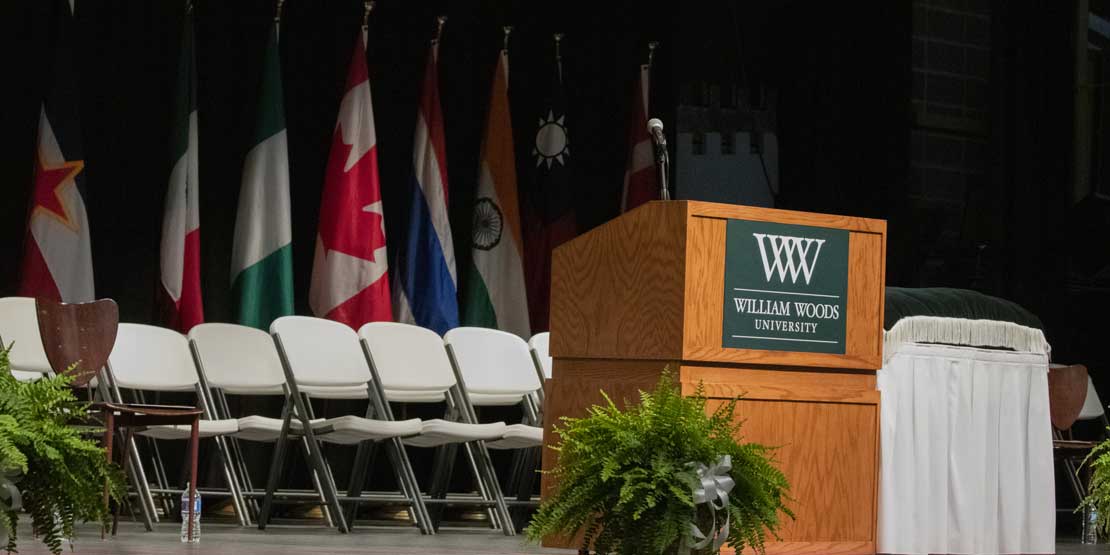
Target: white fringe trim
(962, 331)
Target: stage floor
(220, 539)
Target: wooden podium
(798, 338)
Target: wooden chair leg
(194, 444)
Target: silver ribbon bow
(715, 486)
(10, 498)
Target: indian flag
(495, 296)
(262, 257)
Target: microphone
(655, 129)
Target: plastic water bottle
(185, 516)
(1090, 526)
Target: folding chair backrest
(152, 359)
(409, 359)
(321, 352)
(78, 337)
(1092, 405)
(540, 345)
(239, 360)
(19, 329)
(493, 361)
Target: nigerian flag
(495, 295)
(262, 258)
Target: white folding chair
(19, 328)
(239, 360)
(540, 345)
(410, 365)
(497, 369)
(325, 357)
(152, 359)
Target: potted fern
(51, 470)
(1097, 502)
(661, 477)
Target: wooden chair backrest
(80, 335)
(1067, 390)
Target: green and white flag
(495, 295)
(262, 257)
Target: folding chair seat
(19, 328)
(324, 358)
(410, 365)
(153, 359)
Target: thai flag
(426, 279)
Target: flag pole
(277, 15)
(651, 51)
(508, 30)
(440, 21)
(559, 55)
(367, 7)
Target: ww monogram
(791, 256)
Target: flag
(349, 272)
(57, 259)
(641, 182)
(550, 219)
(495, 296)
(426, 280)
(262, 256)
(180, 263)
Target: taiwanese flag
(349, 271)
(180, 251)
(549, 203)
(57, 260)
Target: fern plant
(1098, 489)
(624, 476)
(62, 473)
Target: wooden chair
(1068, 388)
(78, 338)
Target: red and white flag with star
(57, 259)
(349, 272)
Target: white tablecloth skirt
(966, 452)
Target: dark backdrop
(126, 59)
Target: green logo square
(786, 287)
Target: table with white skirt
(967, 464)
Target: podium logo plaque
(786, 287)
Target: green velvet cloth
(902, 302)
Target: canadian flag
(349, 281)
(641, 182)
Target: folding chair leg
(481, 454)
(317, 483)
(443, 467)
(110, 392)
(233, 484)
(527, 483)
(316, 457)
(481, 480)
(277, 466)
(358, 477)
(406, 481)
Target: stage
(220, 539)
